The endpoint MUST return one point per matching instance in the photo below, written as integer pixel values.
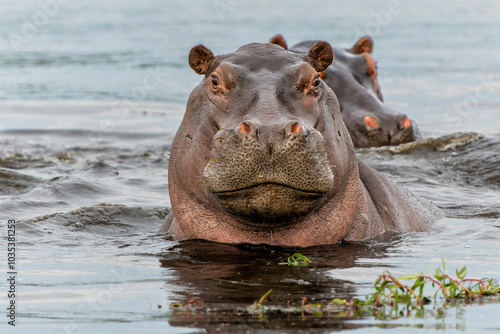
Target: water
(91, 95)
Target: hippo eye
(215, 82)
(316, 82)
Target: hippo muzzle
(269, 171)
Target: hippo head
(370, 121)
(353, 78)
(262, 144)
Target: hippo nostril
(244, 127)
(370, 121)
(295, 127)
(290, 128)
(406, 122)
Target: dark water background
(91, 93)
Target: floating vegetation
(391, 292)
(296, 260)
(260, 304)
(392, 296)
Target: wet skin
(263, 157)
(353, 78)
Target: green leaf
(338, 301)
(369, 298)
(461, 274)
(296, 260)
(418, 283)
(265, 296)
(408, 277)
(298, 256)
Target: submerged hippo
(262, 156)
(353, 78)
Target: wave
(95, 223)
(16, 183)
(464, 159)
(443, 143)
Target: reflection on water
(238, 275)
(221, 282)
(228, 279)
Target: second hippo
(353, 78)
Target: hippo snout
(289, 133)
(268, 170)
(383, 130)
(402, 131)
(286, 130)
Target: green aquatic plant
(394, 293)
(296, 260)
(393, 297)
(259, 305)
(389, 289)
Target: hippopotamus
(353, 78)
(262, 156)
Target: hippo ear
(365, 44)
(320, 56)
(279, 40)
(200, 58)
